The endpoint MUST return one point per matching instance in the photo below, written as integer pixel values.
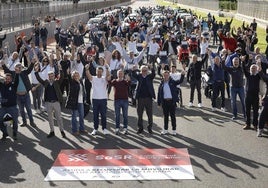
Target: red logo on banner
(123, 157)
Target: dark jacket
(2, 39)
(56, 85)
(149, 82)
(237, 75)
(24, 75)
(173, 89)
(194, 71)
(8, 93)
(253, 82)
(72, 100)
(174, 45)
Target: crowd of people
(127, 53)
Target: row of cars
(153, 15)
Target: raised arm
(89, 76)
(30, 63)
(108, 74)
(263, 76)
(36, 73)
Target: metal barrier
(20, 15)
(207, 4)
(256, 8)
(67, 14)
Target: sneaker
(116, 131)
(33, 124)
(125, 131)
(51, 134)
(174, 132)
(213, 109)
(190, 104)
(223, 109)
(245, 127)
(234, 118)
(105, 131)
(199, 105)
(259, 132)
(63, 134)
(23, 124)
(94, 132)
(163, 132)
(38, 111)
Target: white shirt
(118, 47)
(11, 63)
(45, 70)
(33, 78)
(77, 67)
(196, 22)
(170, 49)
(203, 47)
(176, 76)
(153, 48)
(115, 64)
(99, 87)
(132, 46)
(80, 95)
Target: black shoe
(139, 131)
(150, 130)
(33, 124)
(23, 124)
(63, 134)
(51, 134)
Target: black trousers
(65, 86)
(88, 87)
(195, 84)
(169, 109)
(217, 88)
(147, 104)
(252, 100)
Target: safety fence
(207, 4)
(255, 8)
(13, 15)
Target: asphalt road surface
(221, 152)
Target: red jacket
(229, 43)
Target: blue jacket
(174, 90)
(218, 73)
(229, 59)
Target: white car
(94, 22)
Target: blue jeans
(99, 107)
(241, 93)
(80, 113)
(13, 111)
(118, 104)
(25, 101)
